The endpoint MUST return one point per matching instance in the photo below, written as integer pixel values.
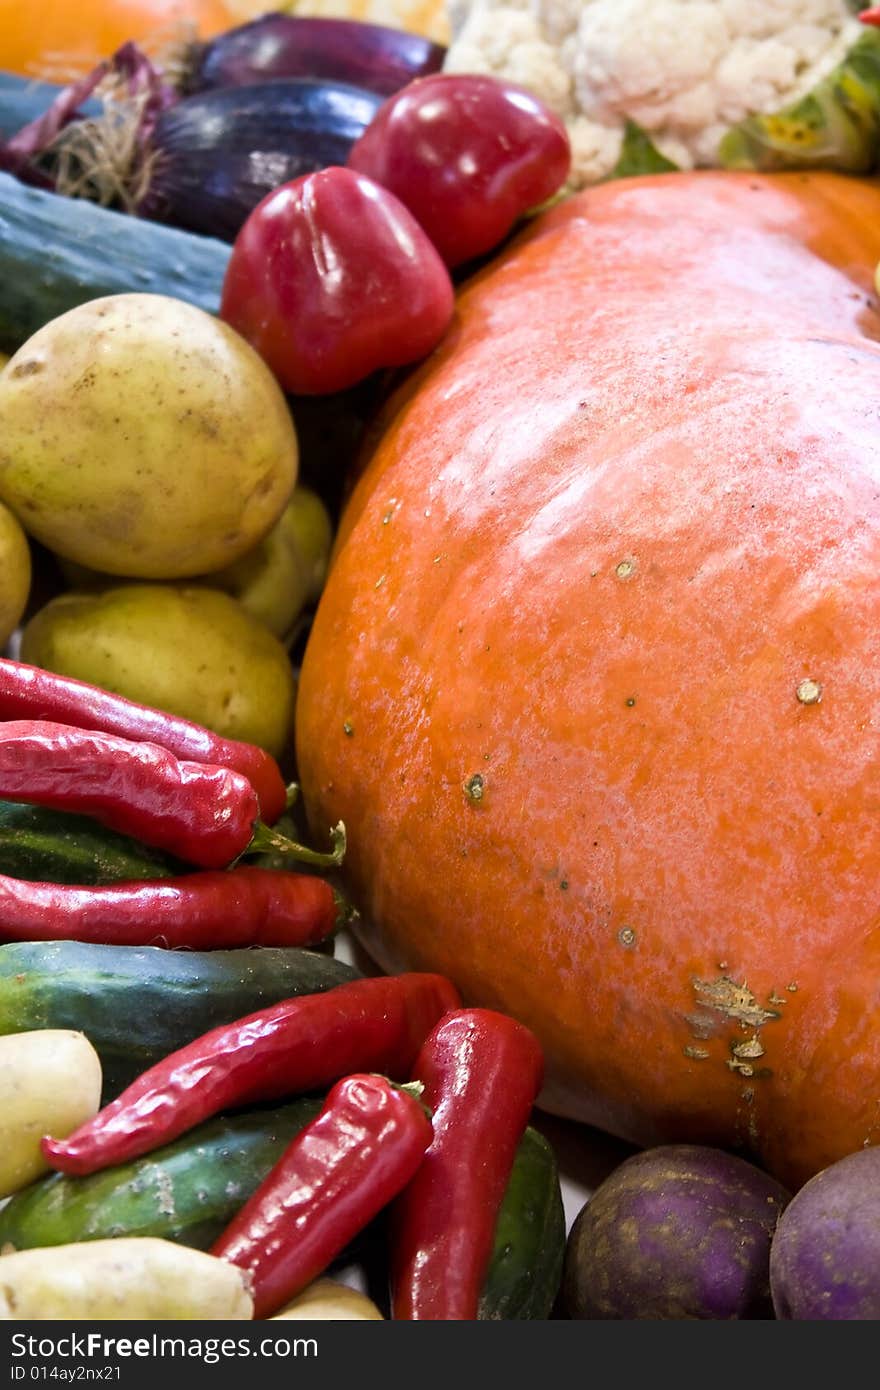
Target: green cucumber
(57, 252)
(56, 847)
(138, 1004)
(526, 1266)
(24, 99)
(186, 1191)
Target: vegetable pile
(391, 540)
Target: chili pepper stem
(291, 795)
(346, 912)
(265, 839)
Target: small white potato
(50, 1083)
(128, 1278)
(325, 1299)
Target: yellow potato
(128, 1278)
(145, 438)
(286, 571)
(325, 1299)
(50, 1083)
(190, 650)
(15, 573)
(275, 581)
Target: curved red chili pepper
(28, 692)
(377, 1024)
(202, 911)
(332, 1180)
(871, 16)
(481, 1073)
(200, 813)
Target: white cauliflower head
(684, 70)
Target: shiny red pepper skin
(28, 692)
(202, 911)
(331, 278)
(202, 814)
(481, 1073)
(468, 154)
(332, 1180)
(871, 16)
(377, 1024)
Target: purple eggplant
(372, 56)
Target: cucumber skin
(526, 1266)
(186, 1191)
(57, 252)
(138, 1004)
(49, 846)
(24, 99)
(189, 1190)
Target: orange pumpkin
(595, 680)
(59, 40)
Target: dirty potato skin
(679, 1231)
(192, 651)
(143, 437)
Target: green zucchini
(57, 252)
(137, 1004)
(56, 847)
(186, 1191)
(526, 1266)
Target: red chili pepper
(28, 692)
(202, 911)
(332, 1180)
(481, 1072)
(871, 16)
(299, 1045)
(203, 814)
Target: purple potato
(825, 1255)
(677, 1231)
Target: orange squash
(595, 680)
(59, 40)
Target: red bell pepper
(481, 1072)
(331, 278)
(333, 1178)
(468, 154)
(299, 1045)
